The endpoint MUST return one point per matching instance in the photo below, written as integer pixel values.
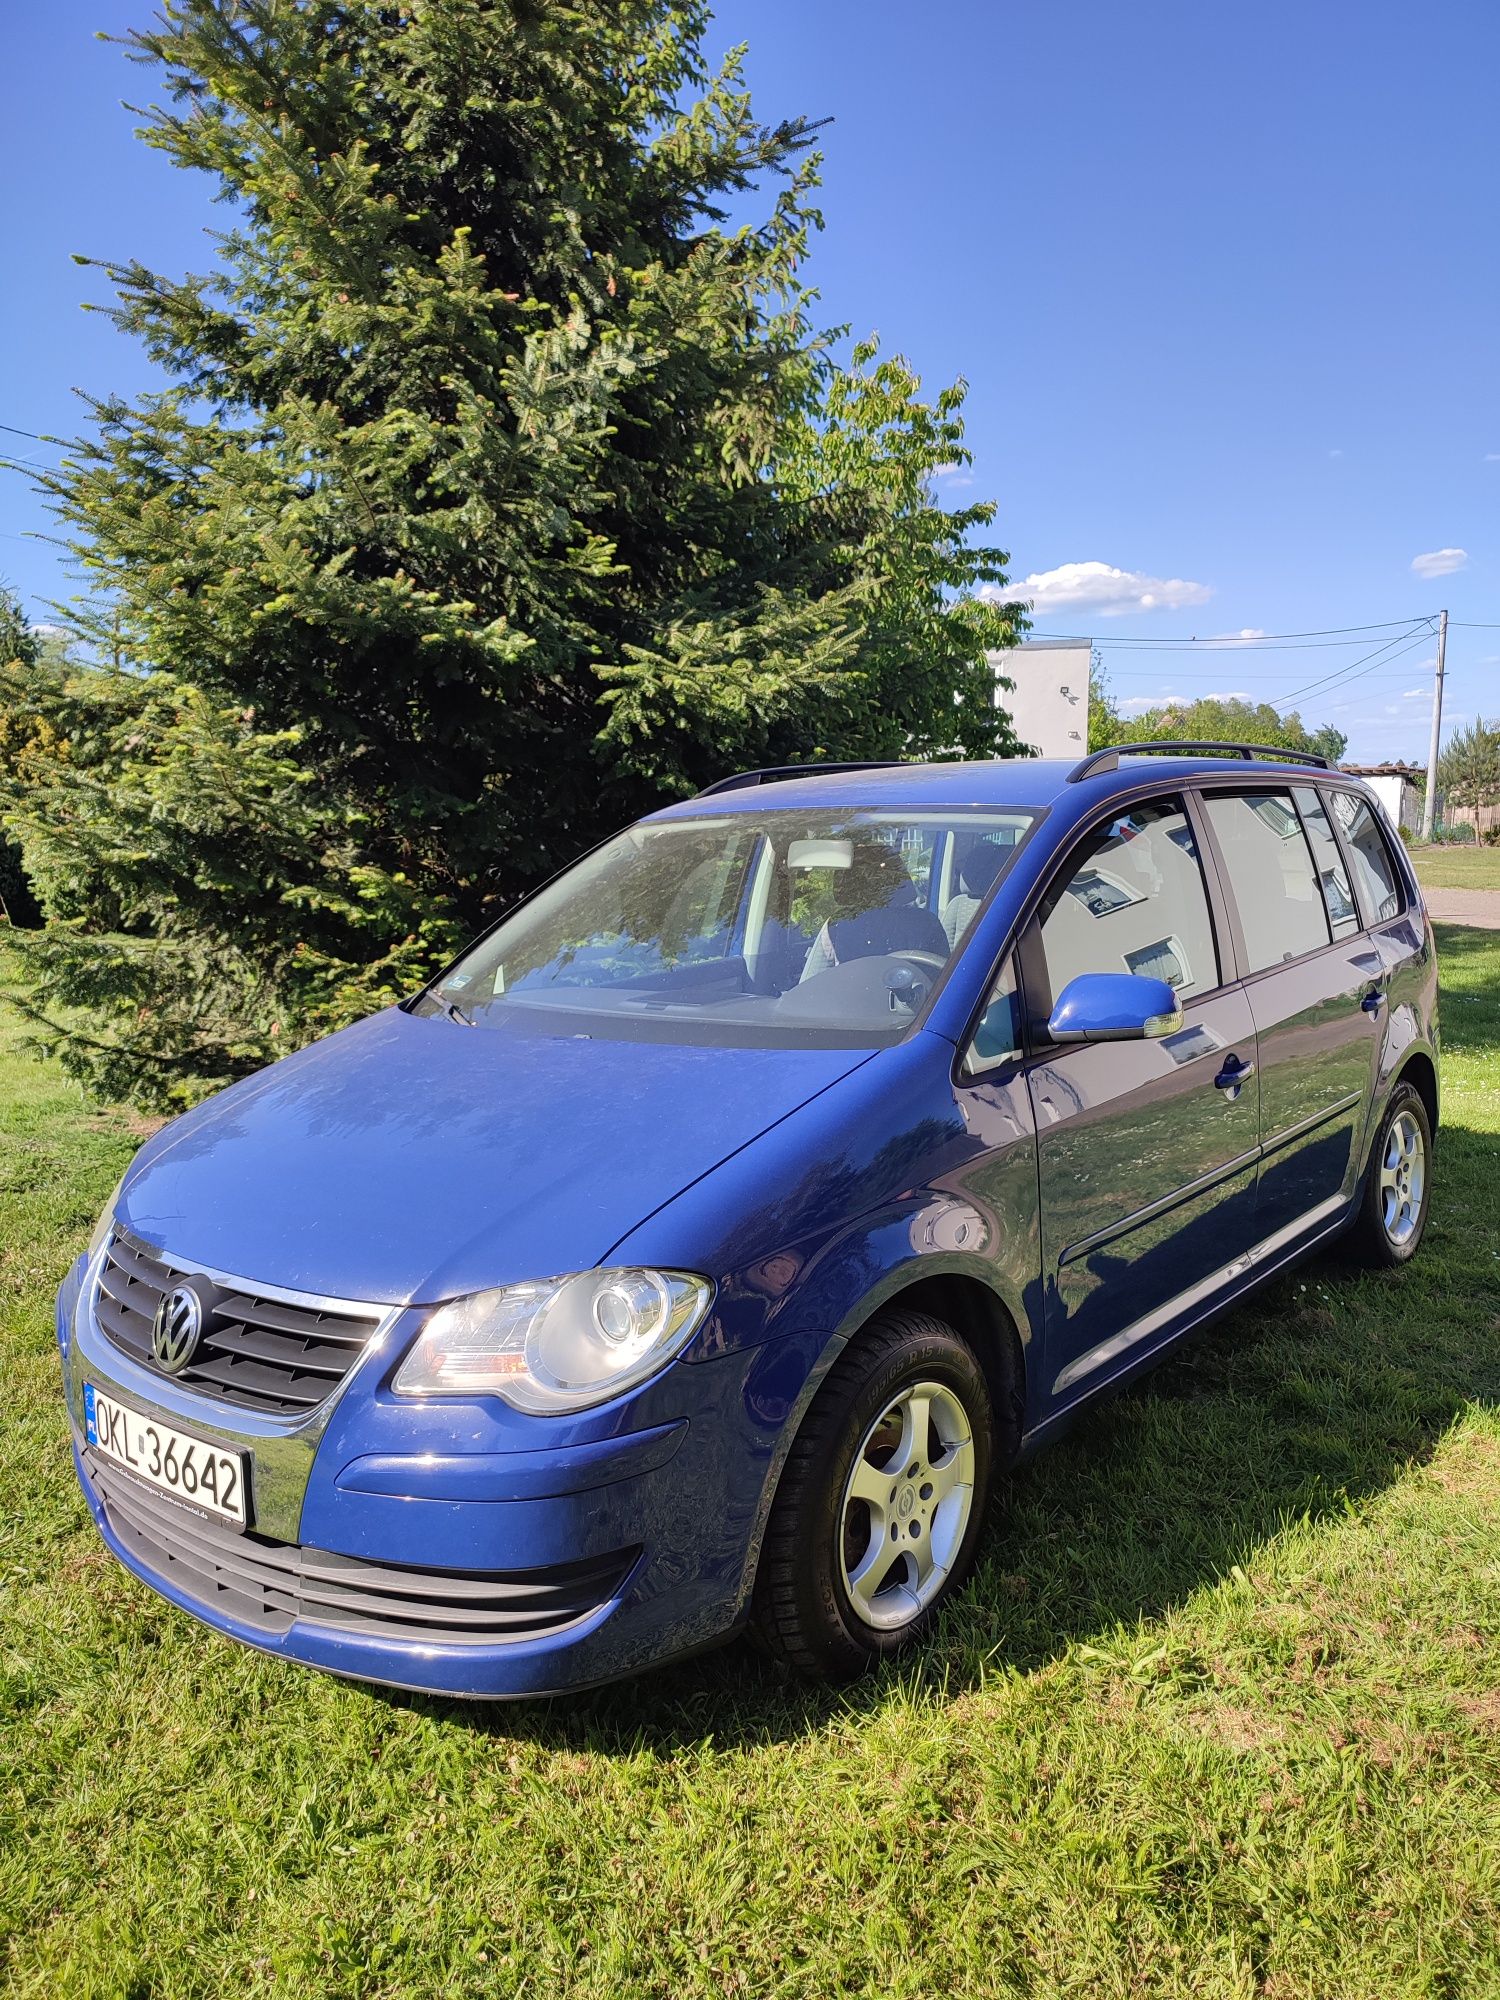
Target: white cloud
(1245, 632)
(1492, 458)
(1336, 452)
(1414, 694)
(1439, 562)
(1101, 588)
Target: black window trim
(1341, 849)
(1024, 938)
(1020, 939)
(996, 1067)
(1269, 788)
(1367, 921)
(1368, 918)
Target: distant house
(1399, 788)
(1049, 705)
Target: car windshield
(791, 927)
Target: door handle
(1373, 1001)
(1233, 1074)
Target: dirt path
(1480, 907)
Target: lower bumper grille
(269, 1585)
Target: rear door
(1313, 977)
(1146, 1150)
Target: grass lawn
(1457, 867)
(1221, 1717)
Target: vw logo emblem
(175, 1330)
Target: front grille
(267, 1585)
(261, 1353)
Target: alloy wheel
(906, 1505)
(1403, 1175)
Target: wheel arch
(1420, 1071)
(973, 1308)
(979, 1315)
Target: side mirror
(1115, 1007)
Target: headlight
(559, 1344)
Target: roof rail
(774, 774)
(1109, 760)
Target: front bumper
(380, 1551)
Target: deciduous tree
(1217, 719)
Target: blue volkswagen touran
(702, 1248)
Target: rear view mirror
(820, 854)
(1115, 1007)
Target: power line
(1235, 639)
(1357, 669)
(1243, 645)
(1171, 673)
(35, 436)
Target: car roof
(1026, 783)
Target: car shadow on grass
(1311, 1397)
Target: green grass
(1457, 867)
(1221, 1716)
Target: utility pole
(1429, 805)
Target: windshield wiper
(454, 1012)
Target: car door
(1313, 978)
(1146, 1150)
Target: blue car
(706, 1244)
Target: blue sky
(1224, 283)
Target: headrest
(980, 866)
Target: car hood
(409, 1159)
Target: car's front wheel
(881, 1503)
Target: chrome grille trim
(283, 1444)
(263, 1348)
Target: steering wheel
(902, 984)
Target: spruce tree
(499, 490)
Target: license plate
(188, 1468)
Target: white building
(1049, 704)
(1398, 788)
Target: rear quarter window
(1375, 872)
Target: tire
(826, 1604)
(1398, 1185)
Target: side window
(1334, 880)
(1374, 870)
(997, 1038)
(1132, 899)
(1271, 874)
